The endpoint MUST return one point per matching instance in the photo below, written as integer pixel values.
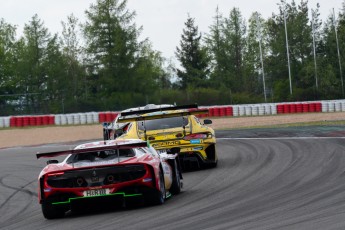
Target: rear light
(196, 136)
(110, 178)
(80, 181)
(56, 174)
(179, 135)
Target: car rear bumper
(117, 199)
(198, 159)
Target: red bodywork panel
(150, 161)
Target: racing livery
(105, 171)
(166, 127)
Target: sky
(162, 20)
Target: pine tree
(214, 42)
(77, 88)
(299, 36)
(234, 33)
(192, 57)
(253, 68)
(33, 71)
(7, 65)
(111, 45)
(330, 77)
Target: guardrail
(266, 109)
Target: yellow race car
(166, 127)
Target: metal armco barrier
(266, 109)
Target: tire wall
(266, 109)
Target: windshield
(163, 123)
(101, 156)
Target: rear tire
(51, 212)
(176, 184)
(213, 164)
(159, 195)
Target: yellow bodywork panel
(168, 138)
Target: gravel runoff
(16, 137)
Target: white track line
(275, 138)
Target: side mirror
(174, 150)
(207, 122)
(52, 162)
(106, 124)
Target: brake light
(195, 136)
(56, 174)
(179, 135)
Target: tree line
(102, 64)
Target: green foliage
(193, 58)
(303, 94)
(244, 98)
(7, 66)
(201, 96)
(111, 39)
(103, 65)
(281, 89)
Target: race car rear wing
(138, 117)
(138, 112)
(116, 146)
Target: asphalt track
(266, 180)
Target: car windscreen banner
(160, 109)
(110, 145)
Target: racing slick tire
(212, 164)
(51, 212)
(159, 196)
(176, 184)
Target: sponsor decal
(96, 192)
(96, 163)
(195, 141)
(161, 151)
(167, 143)
(197, 148)
(156, 113)
(147, 179)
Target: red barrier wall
(305, 107)
(292, 108)
(280, 109)
(228, 111)
(215, 111)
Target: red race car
(106, 171)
